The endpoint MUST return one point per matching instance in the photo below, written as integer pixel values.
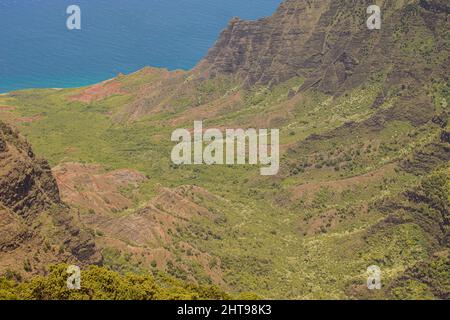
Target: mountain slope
(37, 228)
(328, 43)
(363, 119)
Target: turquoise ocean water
(38, 51)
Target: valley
(364, 161)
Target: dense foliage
(99, 283)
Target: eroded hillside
(37, 228)
(363, 119)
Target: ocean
(37, 50)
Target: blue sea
(117, 36)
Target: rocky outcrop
(27, 185)
(270, 50)
(34, 222)
(328, 43)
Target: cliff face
(33, 220)
(27, 186)
(326, 42)
(270, 50)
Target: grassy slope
(266, 243)
(310, 232)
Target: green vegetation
(98, 283)
(264, 238)
(364, 175)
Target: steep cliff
(328, 43)
(27, 186)
(325, 43)
(36, 227)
